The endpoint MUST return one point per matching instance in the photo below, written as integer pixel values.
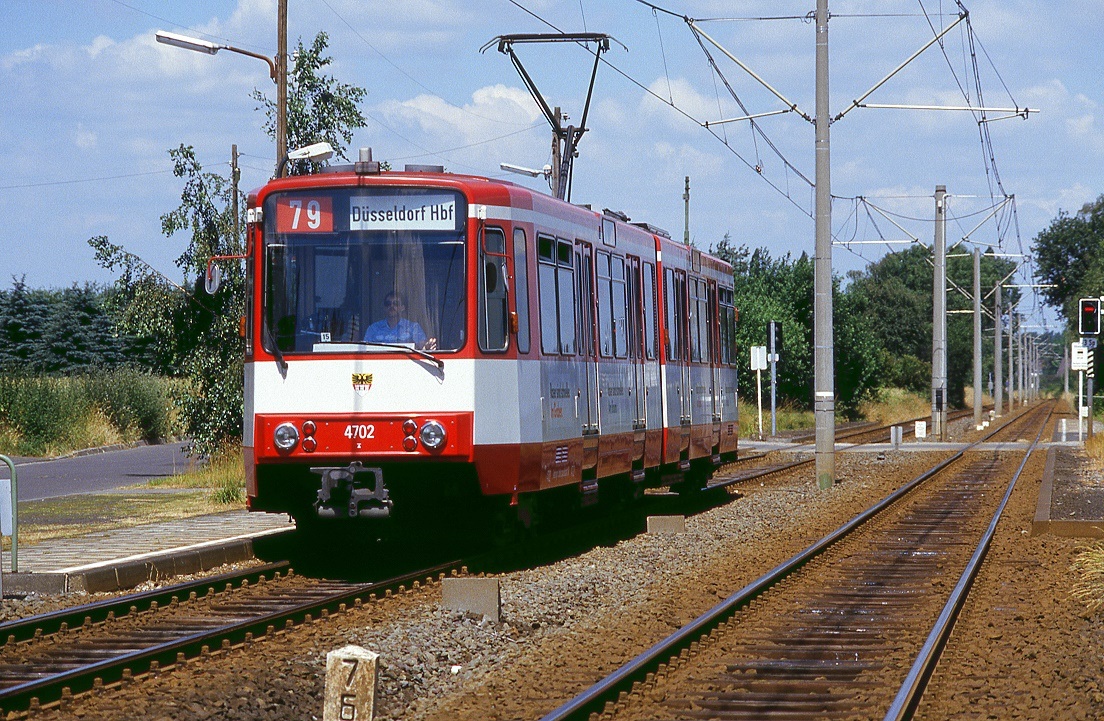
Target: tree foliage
(1069, 257)
(188, 332)
(57, 332)
(319, 108)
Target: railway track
(728, 475)
(837, 631)
(50, 658)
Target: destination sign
(403, 212)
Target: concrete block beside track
(481, 596)
(666, 524)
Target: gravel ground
(564, 625)
(569, 623)
(1023, 649)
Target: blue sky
(93, 104)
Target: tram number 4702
(354, 430)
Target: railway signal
(1088, 318)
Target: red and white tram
(529, 345)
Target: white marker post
(351, 674)
(1079, 361)
(759, 364)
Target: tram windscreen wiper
(407, 349)
(277, 354)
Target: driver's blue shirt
(405, 331)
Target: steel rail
(154, 657)
(763, 472)
(911, 691)
(47, 623)
(593, 699)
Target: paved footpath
(71, 555)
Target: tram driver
(396, 329)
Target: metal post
(1065, 368)
(1089, 401)
(686, 202)
(15, 514)
(281, 82)
(824, 403)
(1080, 405)
(774, 388)
(977, 337)
(235, 176)
(939, 318)
(998, 355)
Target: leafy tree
(319, 108)
(1069, 255)
(186, 331)
(195, 334)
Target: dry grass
(895, 405)
(1089, 589)
(1094, 447)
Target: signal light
(1088, 319)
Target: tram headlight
(285, 436)
(433, 435)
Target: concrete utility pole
(939, 318)
(1011, 363)
(977, 337)
(1022, 376)
(824, 400)
(998, 357)
(235, 176)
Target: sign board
(921, 429)
(1089, 343)
(5, 507)
(1080, 357)
(406, 212)
(758, 357)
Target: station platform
(124, 558)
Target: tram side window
(493, 308)
(521, 289)
(649, 311)
(728, 326)
(565, 288)
(605, 307)
(695, 320)
(549, 305)
(620, 327)
(674, 291)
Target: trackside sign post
(759, 364)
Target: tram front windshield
(363, 270)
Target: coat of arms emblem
(362, 383)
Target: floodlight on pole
(277, 69)
(546, 171)
(203, 46)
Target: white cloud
(84, 138)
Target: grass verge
(215, 487)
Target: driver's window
(493, 310)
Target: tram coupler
(341, 496)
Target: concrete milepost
(351, 677)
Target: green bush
(48, 415)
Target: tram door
(588, 349)
(682, 306)
(714, 351)
(635, 316)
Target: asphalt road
(38, 479)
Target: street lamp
(277, 70)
